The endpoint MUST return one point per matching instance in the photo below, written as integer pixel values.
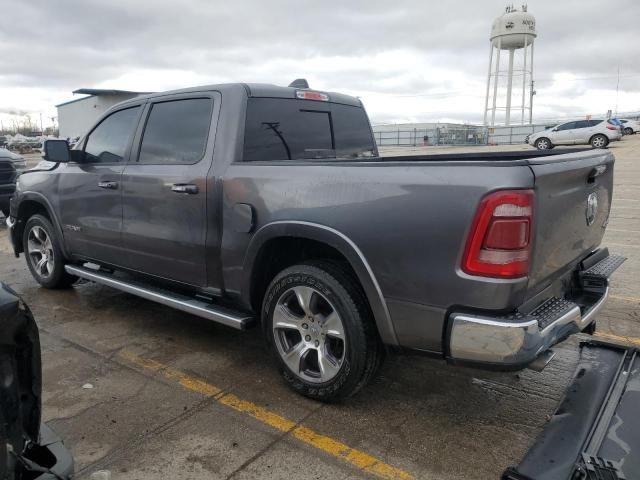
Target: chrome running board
(180, 302)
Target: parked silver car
(597, 133)
(630, 126)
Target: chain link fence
(454, 135)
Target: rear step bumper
(513, 341)
(184, 303)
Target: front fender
(342, 244)
(40, 199)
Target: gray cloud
(56, 47)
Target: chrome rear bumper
(514, 341)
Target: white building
(76, 116)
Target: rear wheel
(543, 144)
(319, 327)
(628, 131)
(599, 141)
(44, 255)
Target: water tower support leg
(524, 79)
(532, 92)
(486, 98)
(507, 119)
(495, 82)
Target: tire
(44, 255)
(599, 141)
(543, 144)
(331, 326)
(628, 131)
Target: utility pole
(617, 90)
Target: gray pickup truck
(263, 204)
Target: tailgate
(573, 198)
(595, 432)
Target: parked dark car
(29, 450)
(242, 203)
(11, 165)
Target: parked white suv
(597, 133)
(630, 126)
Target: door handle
(184, 188)
(110, 185)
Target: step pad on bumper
(552, 310)
(596, 277)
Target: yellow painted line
(618, 338)
(626, 298)
(335, 448)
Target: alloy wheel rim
(598, 141)
(542, 144)
(40, 251)
(309, 334)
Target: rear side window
(176, 132)
(107, 143)
(583, 124)
(289, 129)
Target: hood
(20, 377)
(8, 155)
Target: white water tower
(512, 35)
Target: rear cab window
(292, 129)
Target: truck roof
(255, 90)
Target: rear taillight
(612, 127)
(499, 243)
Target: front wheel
(44, 255)
(599, 141)
(543, 144)
(319, 327)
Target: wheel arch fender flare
(335, 239)
(46, 204)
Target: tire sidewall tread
(363, 346)
(60, 278)
(606, 140)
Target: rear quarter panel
(409, 220)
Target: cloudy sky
(408, 60)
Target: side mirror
(554, 130)
(56, 151)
